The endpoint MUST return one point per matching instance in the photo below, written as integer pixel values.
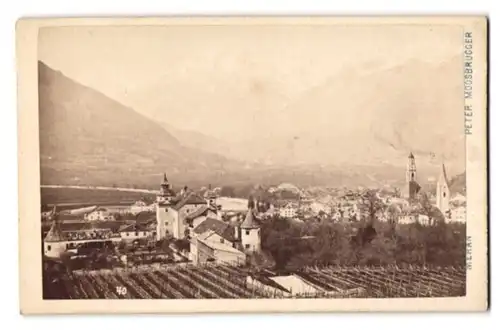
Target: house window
(222, 240)
(136, 234)
(247, 246)
(127, 234)
(48, 247)
(247, 232)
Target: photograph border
(30, 270)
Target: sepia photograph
(262, 161)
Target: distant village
(204, 226)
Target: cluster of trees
(367, 242)
(294, 245)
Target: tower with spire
(211, 197)
(166, 193)
(163, 201)
(443, 192)
(250, 233)
(412, 188)
(54, 242)
(411, 169)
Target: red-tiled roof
(220, 228)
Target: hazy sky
(261, 78)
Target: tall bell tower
(411, 169)
(163, 202)
(412, 187)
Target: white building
(214, 240)
(250, 233)
(57, 241)
(141, 206)
(288, 211)
(100, 214)
(458, 214)
(317, 207)
(178, 214)
(133, 232)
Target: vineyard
(229, 282)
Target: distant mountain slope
(198, 140)
(86, 137)
(458, 184)
(355, 116)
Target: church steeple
(55, 233)
(166, 192)
(250, 233)
(411, 169)
(443, 191)
(412, 187)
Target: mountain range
(86, 137)
(89, 138)
(411, 106)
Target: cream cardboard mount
(306, 164)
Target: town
(271, 243)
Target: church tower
(163, 202)
(211, 197)
(55, 242)
(250, 233)
(166, 193)
(443, 192)
(412, 187)
(411, 169)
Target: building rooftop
(55, 233)
(250, 221)
(215, 246)
(443, 178)
(220, 228)
(135, 227)
(294, 284)
(197, 213)
(190, 199)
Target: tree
(433, 214)
(393, 213)
(371, 206)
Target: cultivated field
(228, 282)
(82, 197)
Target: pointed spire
(55, 233)
(165, 178)
(411, 155)
(443, 177)
(250, 221)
